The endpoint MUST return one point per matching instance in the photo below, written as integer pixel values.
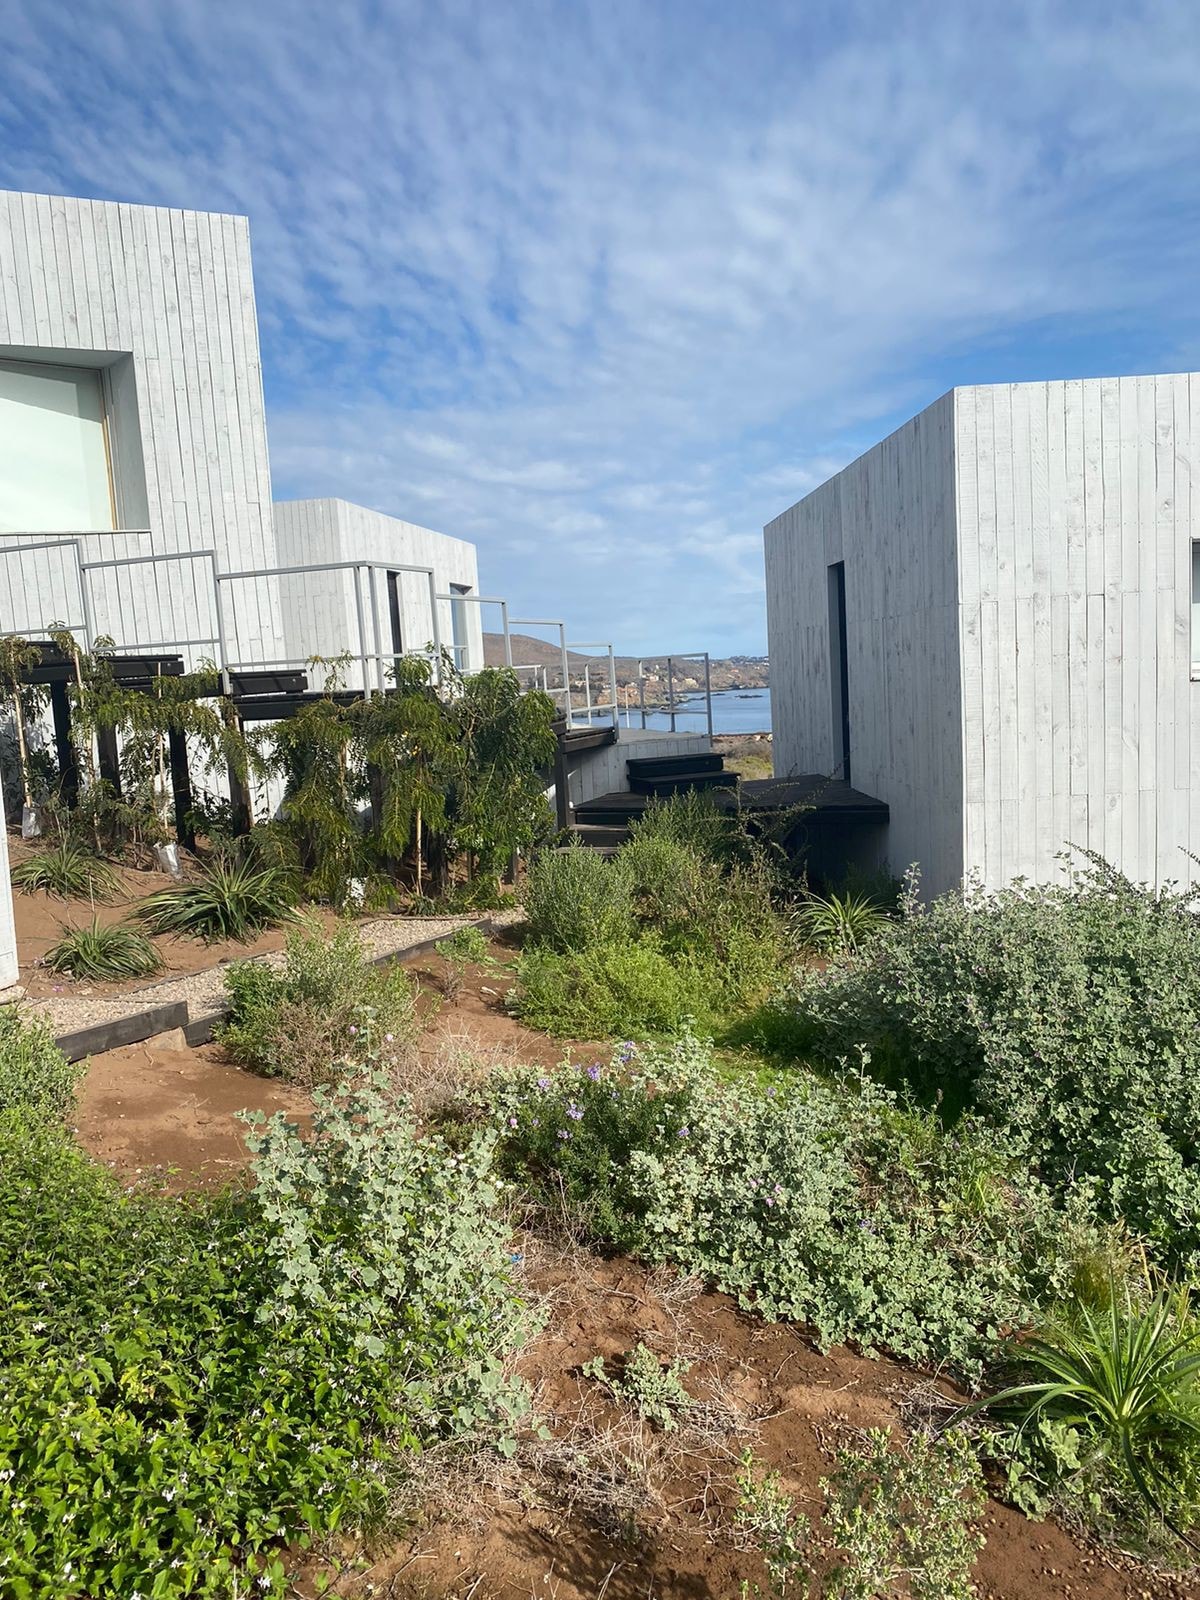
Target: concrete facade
(1020, 649)
(161, 304)
(321, 614)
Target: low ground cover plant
(103, 952)
(653, 1387)
(192, 1385)
(829, 1204)
(1067, 1016)
(899, 1516)
(464, 948)
(37, 1082)
(323, 1014)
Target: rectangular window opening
(55, 468)
(839, 681)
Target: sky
(603, 287)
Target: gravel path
(204, 991)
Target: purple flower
(389, 1037)
(770, 1202)
(593, 1072)
(543, 1083)
(512, 1122)
(683, 1133)
(353, 1029)
(754, 1183)
(563, 1134)
(771, 1092)
(575, 1114)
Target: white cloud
(606, 286)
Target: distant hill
(737, 672)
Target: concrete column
(8, 930)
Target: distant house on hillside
(991, 621)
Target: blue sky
(603, 287)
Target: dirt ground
(41, 918)
(161, 1109)
(650, 1516)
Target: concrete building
(131, 418)
(412, 567)
(991, 621)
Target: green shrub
(827, 1204)
(103, 952)
(577, 899)
(1068, 1017)
(191, 1387)
(1126, 1381)
(839, 922)
(630, 987)
(234, 898)
(692, 819)
(36, 1079)
(326, 1011)
(68, 871)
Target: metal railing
(372, 657)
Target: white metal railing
(371, 655)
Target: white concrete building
(325, 613)
(131, 417)
(991, 621)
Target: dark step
(682, 782)
(668, 766)
(586, 738)
(601, 836)
(610, 811)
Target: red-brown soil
(499, 1531)
(511, 1533)
(40, 920)
(162, 1109)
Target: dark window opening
(839, 680)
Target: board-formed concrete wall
(1081, 719)
(321, 616)
(1019, 587)
(890, 518)
(162, 302)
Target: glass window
(1196, 608)
(54, 472)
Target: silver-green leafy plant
(766, 1517)
(827, 1203)
(391, 1238)
(903, 1515)
(653, 1387)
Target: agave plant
(101, 952)
(68, 871)
(1127, 1376)
(838, 922)
(232, 899)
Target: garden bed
(501, 1532)
(490, 1528)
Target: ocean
(734, 711)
